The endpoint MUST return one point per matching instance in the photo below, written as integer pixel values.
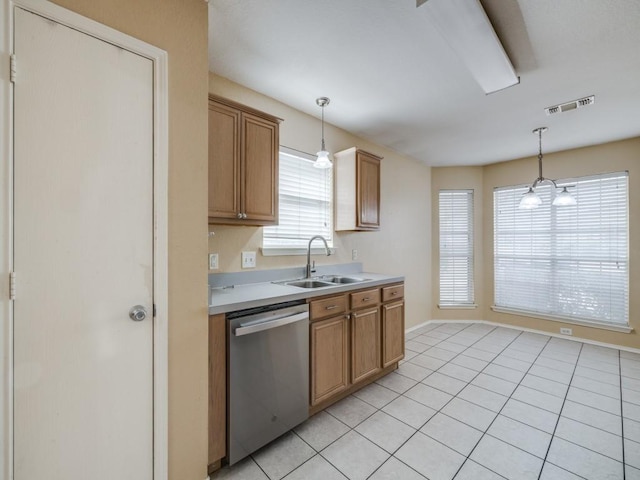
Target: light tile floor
(473, 401)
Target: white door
(83, 251)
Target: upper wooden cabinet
(243, 164)
(357, 190)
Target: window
(305, 204)
(456, 247)
(565, 262)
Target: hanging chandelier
(531, 199)
(323, 155)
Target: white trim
(160, 192)
(531, 330)
(460, 306)
(561, 319)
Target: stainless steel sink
(337, 279)
(322, 281)
(310, 283)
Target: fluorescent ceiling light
(467, 29)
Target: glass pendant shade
(530, 200)
(564, 198)
(323, 155)
(323, 160)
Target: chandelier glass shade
(530, 199)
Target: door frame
(160, 221)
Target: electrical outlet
(566, 331)
(213, 261)
(248, 259)
(354, 254)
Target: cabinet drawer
(394, 292)
(365, 298)
(328, 307)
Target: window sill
(276, 252)
(560, 319)
(461, 306)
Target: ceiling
(394, 80)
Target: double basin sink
(323, 281)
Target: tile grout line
(553, 435)
(455, 396)
(437, 411)
(502, 408)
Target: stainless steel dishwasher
(268, 374)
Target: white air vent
(565, 107)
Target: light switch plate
(248, 259)
(213, 261)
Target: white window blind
(456, 247)
(568, 262)
(305, 203)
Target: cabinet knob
(239, 215)
(244, 215)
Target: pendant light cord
(322, 128)
(540, 177)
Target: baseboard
(531, 330)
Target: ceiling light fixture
(323, 155)
(531, 199)
(466, 28)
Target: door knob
(137, 313)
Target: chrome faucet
(326, 246)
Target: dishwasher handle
(254, 327)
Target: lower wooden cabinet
(392, 333)
(361, 341)
(365, 344)
(329, 357)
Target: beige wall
(450, 178)
(180, 28)
(403, 243)
(609, 157)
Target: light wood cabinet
(392, 333)
(243, 164)
(365, 344)
(329, 357)
(217, 390)
(356, 338)
(357, 190)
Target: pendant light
(323, 155)
(530, 199)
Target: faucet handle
(313, 267)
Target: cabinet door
(392, 333)
(329, 358)
(224, 161)
(365, 344)
(367, 191)
(259, 174)
(217, 388)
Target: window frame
(451, 303)
(555, 245)
(272, 249)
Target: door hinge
(12, 68)
(12, 285)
